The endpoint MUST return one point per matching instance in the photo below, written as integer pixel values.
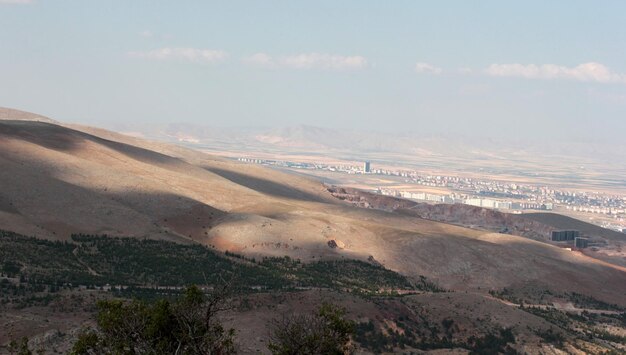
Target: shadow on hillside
(7, 206)
(266, 186)
(71, 208)
(60, 138)
(558, 221)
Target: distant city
(494, 194)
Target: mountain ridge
(58, 181)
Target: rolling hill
(61, 179)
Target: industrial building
(488, 203)
(581, 243)
(561, 236)
(366, 167)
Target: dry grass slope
(58, 180)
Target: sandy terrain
(57, 180)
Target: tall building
(581, 242)
(561, 236)
(366, 167)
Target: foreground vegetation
(592, 323)
(192, 325)
(128, 264)
(189, 325)
(137, 290)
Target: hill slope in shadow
(57, 180)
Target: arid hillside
(57, 180)
(12, 114)
(606, 245)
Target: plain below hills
(59, 180)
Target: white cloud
(587, 72)
(323, 61)
(16, 2)
(195, 55)
(260, 59)
(306, 61)
(425, 68)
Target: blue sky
(531, 68)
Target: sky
(540, 69)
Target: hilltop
(59, 180)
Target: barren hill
(57, 180)
(12, 114)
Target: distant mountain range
(599, 157)
(59, 180)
